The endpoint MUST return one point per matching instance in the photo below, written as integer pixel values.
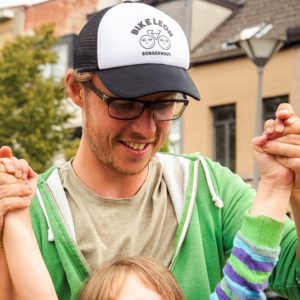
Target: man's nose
(145, 124)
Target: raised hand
(282, 139)
(277, 178)
(268, 148)
(17, 184)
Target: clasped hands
(17, 185)
(277, 150)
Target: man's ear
(75, 90)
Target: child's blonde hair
(107, 282)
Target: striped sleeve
(254, 256)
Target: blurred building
(223, 124)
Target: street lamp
(259, 49)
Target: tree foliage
(165, 147)
(32, 114)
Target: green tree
(32, 113)
(165, 147)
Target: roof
(228, 3)
(16, 3)
(284, 15)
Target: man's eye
(124, 105)
(165, 105)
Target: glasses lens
(164, 110)
(168, 110)
(125, 110)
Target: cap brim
(141, 80)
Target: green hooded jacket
(210, 203)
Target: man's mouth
(135, 146)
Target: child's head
(132, 278)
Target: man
(117, 197)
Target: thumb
(5, 151)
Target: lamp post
(259, 49)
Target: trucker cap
(136, 50)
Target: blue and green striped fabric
(251, 262)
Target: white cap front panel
(135, 33)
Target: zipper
(189, 213)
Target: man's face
(124, 146)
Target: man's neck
(104, 181)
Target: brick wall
(68, 15)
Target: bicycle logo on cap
(148, 41)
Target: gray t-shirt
(105, 228)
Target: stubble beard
(107, 159)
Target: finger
(17, 167)
(5, 151)
(33, 183)
(12, 203)
(274, 128)
(292, 125)
(260, 140)
(19, 172)
(279, 126)
(293, 139)
(32, 174)
(291, 163)
(284, 111)
(23, 167)
(282, 149)
(9, 165)
(258, 149)
(269, 126)
(6, 178)
(286, 114)
(19, 189)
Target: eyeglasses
(130, 109)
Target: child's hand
(282, 139)
(17, 186)
(280, 143)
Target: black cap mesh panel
(85, 51)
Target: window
(175, 137)
(270, 106)
(224, 135)
(155, 2)
(64, 49)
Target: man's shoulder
(45, 175)
(169, 159)
(174, 163)
(191, 164)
